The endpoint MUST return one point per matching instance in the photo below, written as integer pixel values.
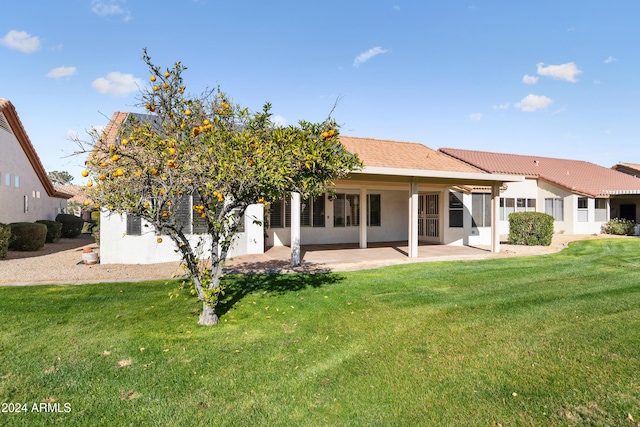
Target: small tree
(60, 177)
(217, 152)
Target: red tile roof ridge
(578, 176)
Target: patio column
(413, 218)
(295, 229)
(495, 218)
(363, 218)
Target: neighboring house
(26, 193)
(406, 192)
(580, 196)
(628, 168)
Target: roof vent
(535, 162)
(4, 124)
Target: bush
(71, 225)
(618, 227)
(27, 236)
(5, 236)
(530, 228)
(54, 229)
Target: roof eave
(447, 175)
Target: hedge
(530, 228)
(5, 236)
(71, 225)
(619, 227)
(54, 229)
(27, 236)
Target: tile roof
(574, 175)
(402, 155)
(10, 113)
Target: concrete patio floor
(346, 257)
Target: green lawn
(547, 340)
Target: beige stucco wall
(23, 184)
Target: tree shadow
(240, 285)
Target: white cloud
(610, 59)
(21, 40)
(279, 120)
(530, 80)
(59, 72)
(475, 117)
(365, 56)
(504, 106)
(532, 103)
(117, 84)
(567, 71)
(110, 8)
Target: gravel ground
(61, 263)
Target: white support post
(295, 229)
(495, 217)
(363, 218)
(413, 219)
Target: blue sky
(549, 78)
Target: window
(507, 207)
(481, 210)
(16, 181)
(601, 210)
(583, 209)
(511, 205)
(555, 208)
(134, 225)
(280, 214)
(312, 212)
(346, 210)
(7, 179)
(456, 214)
(374, 210)
(26, 204)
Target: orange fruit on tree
(90, 184)
(159, 240)
(187, 113)
(152, 78)
(167, 74)
(85, 173)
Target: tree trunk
(208, 316)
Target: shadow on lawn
(237, 287)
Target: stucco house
(26, 193)
(580, 196)
(406, 192)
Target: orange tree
(215, 151)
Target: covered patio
(349, 256)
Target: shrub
(54, 229)
(5, 235)
(71, 225)
(530, 228)
(618, 227)
(27, 236)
